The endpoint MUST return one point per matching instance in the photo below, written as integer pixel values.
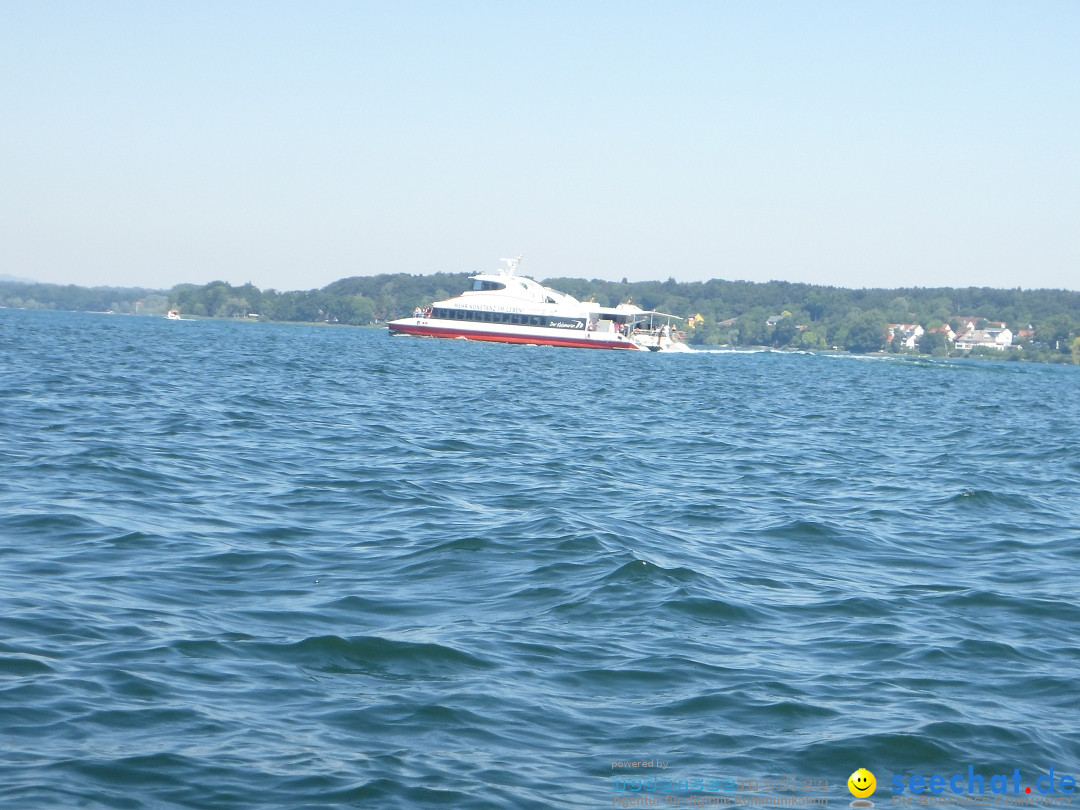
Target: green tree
(866, 333)
(215, 297)
(1055, 331)
(812, 338)
(234, 307)
(785, 331)
(899, 310)
(930, 342)
(358, 310)
(754, 329)
(155, 304)
(707, 334)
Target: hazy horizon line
(5, 277)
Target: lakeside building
(997, 337)
(907, 333)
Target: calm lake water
(260, 565)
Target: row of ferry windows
(489, 317)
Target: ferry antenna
(512, 264)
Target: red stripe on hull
(497, 337)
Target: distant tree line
(72, 298)
(780, 314)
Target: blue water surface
(261, 565)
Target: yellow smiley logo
(862, 783)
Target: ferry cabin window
(489, 317)
(479, 285)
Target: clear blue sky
(290, 144)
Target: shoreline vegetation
(1042, 325)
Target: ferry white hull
(533, 335)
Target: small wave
(801, 530)
(713, 610)
(22, 666)
(985, 497)
(974, 601)
(59, 525)
(916, 751)
(373, 655)
(640, 570)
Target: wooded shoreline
(1045, 324)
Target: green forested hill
(774, 313)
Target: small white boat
(504, 307)
(173, 315)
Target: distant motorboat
(173, 315)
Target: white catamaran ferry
(507, 308)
